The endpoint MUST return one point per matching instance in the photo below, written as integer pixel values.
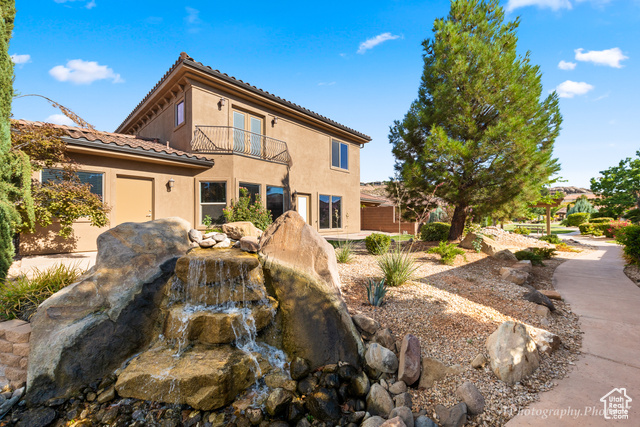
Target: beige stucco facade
(210, 100)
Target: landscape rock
(398, 387)
(403, 399)
(299, 368)
(456, 416)
(489, 246)
(366, 323)
(323, 405)
(300, 265)
(219, 237)
(360, 385)
(378, 401)
(404, 413)
(37, 417)
(238, 230)
(278, 401)
(374, 421)
(381, 359)
(195, 235)
(514, 275)
(512, 352)
(546, 342)
(207, 243)
(409, 363)
(472, 397)
(250, 244)
(434, 370)
(542, 311)
(524, 265)
(424, 421)
(539, 298)
(505, 255)
(91, 327)
(479, 361)
(384, 337)
(551, 294)
(396, 421)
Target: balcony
(230, 140)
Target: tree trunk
(457, 222)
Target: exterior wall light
(170, 184)
(275, 120)
(221, 103)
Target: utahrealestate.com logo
(616, 404)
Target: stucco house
(195, 139)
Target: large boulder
(546, 342)
(512, 352)
(409, 363)
(238, 230)
(489, 246)
(514, 275)
(434, 370)
(301, 273)
(89, 328)
(381, 359)
(379, 402)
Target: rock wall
(14, 352)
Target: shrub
(575, 219)
(376, 292)
(545, 253)
(244, 210)
(600, 220)
(377, 244)
(551, 238)
(435, 232)
(397, 266)
(563, 247)
(522, 230)
(344, 252)
(21, 297)
(477, 243)
(629, 237)
(612, 228)
(590, 228)
(536, 259)
(447, 251)
(633, 215)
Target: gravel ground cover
(453, 309)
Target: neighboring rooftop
(122, 143)
(372, 198)
(187, 61)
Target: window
(92, 178)
(275, 201)
(213, 199)
(247, 135)
(254, 190)
(339, 154)
(330, 211)
(180, 113)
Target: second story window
(180, 113)
(339, 155)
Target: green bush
(632, 215)
(629, 237)
(612, 228)
(536, 259)
(21, 297)
(244, 210)
(447, 251)
(522, 230)
(589, 228)
(600, 220)
(375, 292)
(551, 238)
(435, 232)
(397, 266)
(377, 244)
(575, 219)
(545, 253)
(344, 251)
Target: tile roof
(108, 139)
(187, 60)
(375, 199)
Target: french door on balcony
(247, 134)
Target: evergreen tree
(582, 205)
(478, 133)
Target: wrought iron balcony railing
(230, 140)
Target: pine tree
(582, 205)
(478, 131)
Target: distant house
(379, 213)
(196, 138)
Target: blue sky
(357, 62)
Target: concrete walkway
(608, 304)
(26, 265)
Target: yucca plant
(21, 297)
(376, 292)
(344, 252)
(397, 266)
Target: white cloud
(326, 83)
(569, 89)
(608, 57)
(606, 95)
(375, 41)
(564, 65)
(91, 4)
(550, 4)
(84, 72)
(192, 15)
(20, 59)
(60, 119)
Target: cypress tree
(478, 133)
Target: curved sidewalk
(608, 304)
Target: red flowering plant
(612, 228)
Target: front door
(134, 199)
(303, 206)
